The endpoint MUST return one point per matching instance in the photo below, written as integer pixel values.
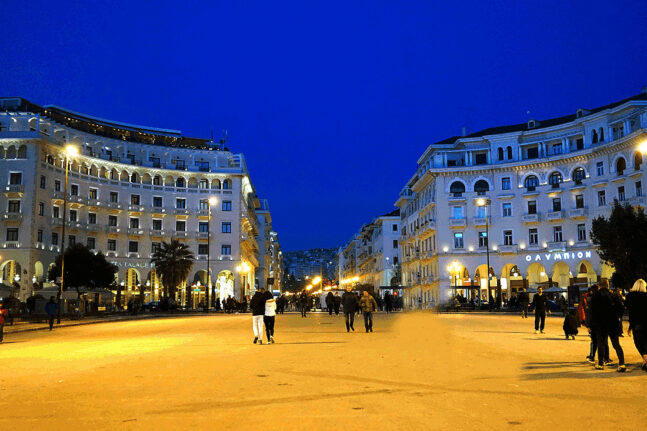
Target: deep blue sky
(331, 102)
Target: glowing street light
(454, 269)
(212, 202)
(481, 202)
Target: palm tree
(173, 261)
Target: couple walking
(263, 308)
(350, 303)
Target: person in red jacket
(3, 314)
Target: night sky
(331, 102)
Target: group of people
(263, 307)
(352, 304)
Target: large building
(533, 188)
(129, 189)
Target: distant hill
(310, 262)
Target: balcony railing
(457, 222)
(505, 249)
(577, 213)
(12, 216)
(554, 215)
(530, 218)
(481, 221)
(557, 245)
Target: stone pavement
(416, 371)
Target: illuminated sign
(132, 265)
(568, 255)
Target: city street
(416, 371)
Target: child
(268, 319)
(570, 324)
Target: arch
(124, 176)
(481, 186)
(94, 170)
(638, 160)
(536, 275)
(215, 183)
(9, 270)
(531, 182)
(157, 180)
(193, 183)
(225, 285)
(561, 274)
(509, 151)
(11, 152)
(114, 174)
(601, 134)
(457, 188)
(480, 277)
(134, 177)
(226, 184)
(146, 179)
(180, 182)
(586, 273)
(578, 175)
(132, 279)
(153, 285)
(169, 181)
(204, 183)
(2, 152)
(511, 279)
(38, 271)
(22, 152)
(201, 276)
(621, 165)
(85, 169)
(500, 153)
(594, 136)
(555, 179)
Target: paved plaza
(416, 371)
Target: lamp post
(484, 203)
(454, 268)
(70, 151)
(212, 202)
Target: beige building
(129, 189)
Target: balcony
(557, 246)
(554, 216)
(136, 208)
(135, 231)
(637, 201)
(113, 229)
(530, 218)
(94, 202)
(11, 244)
(12, 217)
(14, 190)
(203, 212)
(57, 221)
(93, 227)
(457, 222)
(180, 234)
(111, 254)
(76, 200)
(181, 211)
(577, 213)
(202, 235)
(158, 232)
(481, 221)
(507, 249)
(115, 205)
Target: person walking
(257, 304)
(349, 302)
(3, 315)
(388, 303)
(330, 303)
(268, 319)
(337, 303)
(604, 318)
(51, 308)
(524, 303)
(636, 303)
(541, 308)
(368, 304)
(303, 303)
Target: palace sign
(559, 256)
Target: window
(133, 246)
(226, 184)
(54, 238)
(180, 182)
(602, 199)
(458, 240)
(557, 148)
(112, 220)
(92, 243)
(457, 212)
(579, 143)
(14, 207)
(203, 249)
(481, 187)
(533, 236)
(134, 223)
(41, 208)
(180, 203)
(73, 215)
(481, 211)
(114, 197)
(39, 236)
(533, 152)
(599, 167)
(12, 234)
(157, 180)
(621, 193)
(93, 193)
(204, 184)
(579, 201)
(482, 239)
(621, 166)
(43, 181)
(507, 209)
(179, 164)
(92, 218)
(557, 204)
(202, 166)
(74, 190)
(581, 232)
(531, 182)
(555, 179)
(112, 245)
(157, 224)
(57, 186)
(395, 260)
(579, 175)
(156, 162)
(15, 178)
(226, 227)
(500, 153)
(509, 151)
(532, 207)
(395, 243)
(639, 188)
(203, 226)
(557, 234)
(225, 250)
(394, 227)
(56, 212)
(157, 201)
(505, 183)
(638, 160)
(204, 204)
(226, 205)
(134, 199)
(155, 247)
(180, 225)
(71, 240)
(457, 189)
(507, 237)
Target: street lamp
(484, 203)
(70, 151)
(212, 202)
(316, 281)
(455, 268)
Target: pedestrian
(349, 302)
(303, 303)
(269, 317)
(388, 302)
(524, 302)
(570, 325)
(605, 309)
(330, 301)
(51, 308)
(586, 300)
(3, 314)
(368, 304)
(636, 303)
(337, 303)
(541, 308)
(257, 304)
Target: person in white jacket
(268, 319)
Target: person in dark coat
(524, 302)
(570, 325)
(3, 315)
(541, 308)
(337, 303)
(636, 303)
(349, 302)
(303, 303)
(51, 308)
(330, 303)
(605, 309)
(388, 302)
(257, 305)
